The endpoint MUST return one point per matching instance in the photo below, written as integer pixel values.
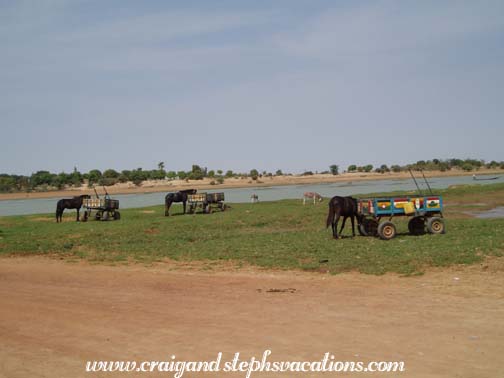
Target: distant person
(254, 198)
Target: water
(48, 205)
(498, 212)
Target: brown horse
(342, 206)
(69, 203)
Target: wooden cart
(206, 201)
(105, 208)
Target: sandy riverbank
(205, 184)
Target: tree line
(467, 165)
(45, 180)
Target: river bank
(206, 184)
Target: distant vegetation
(45, 180)
(431, 165)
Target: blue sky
(291, 85)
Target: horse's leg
(335, 225)
(167, 209)
(184, 204)
(343, 225)
(353, 225)
(78, 209)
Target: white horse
(311, 195)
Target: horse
(342, 206)
(177, 197)
(254, 198)
(311, 195)
(69, 203)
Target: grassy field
(281, 234)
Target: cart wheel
(416, 226)
(386, 230)
(436, 225)
(117, 215)
(98, 215)
(105, 216)
(207, 209)
(362, 230)
(368, 227)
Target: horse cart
(105, 208)
(206, 201)
(425, 212)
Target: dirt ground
(56, 315)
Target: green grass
(281, 234)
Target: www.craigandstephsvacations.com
(247, 366)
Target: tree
(368, 168)
(384, 168)
(352, 168)
(171, 175)
(76, 178)
(396, 168)
(95, 176)
(334, 169)
(467, 167)
(229, 174)
(197, 173)
(161, 165)
(7, 183)
(111, 174)
(254, 174)
(279, 172)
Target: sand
(55, 316)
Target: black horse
(177, 197)
(342, 206)
(69, 203)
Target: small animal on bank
(177, 197)
(311, 196)
(69, 203)
(345, 207)
(254, 198)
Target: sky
(291, 85)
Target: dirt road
(55, 316)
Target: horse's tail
(330, 216)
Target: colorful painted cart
(425, 212)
